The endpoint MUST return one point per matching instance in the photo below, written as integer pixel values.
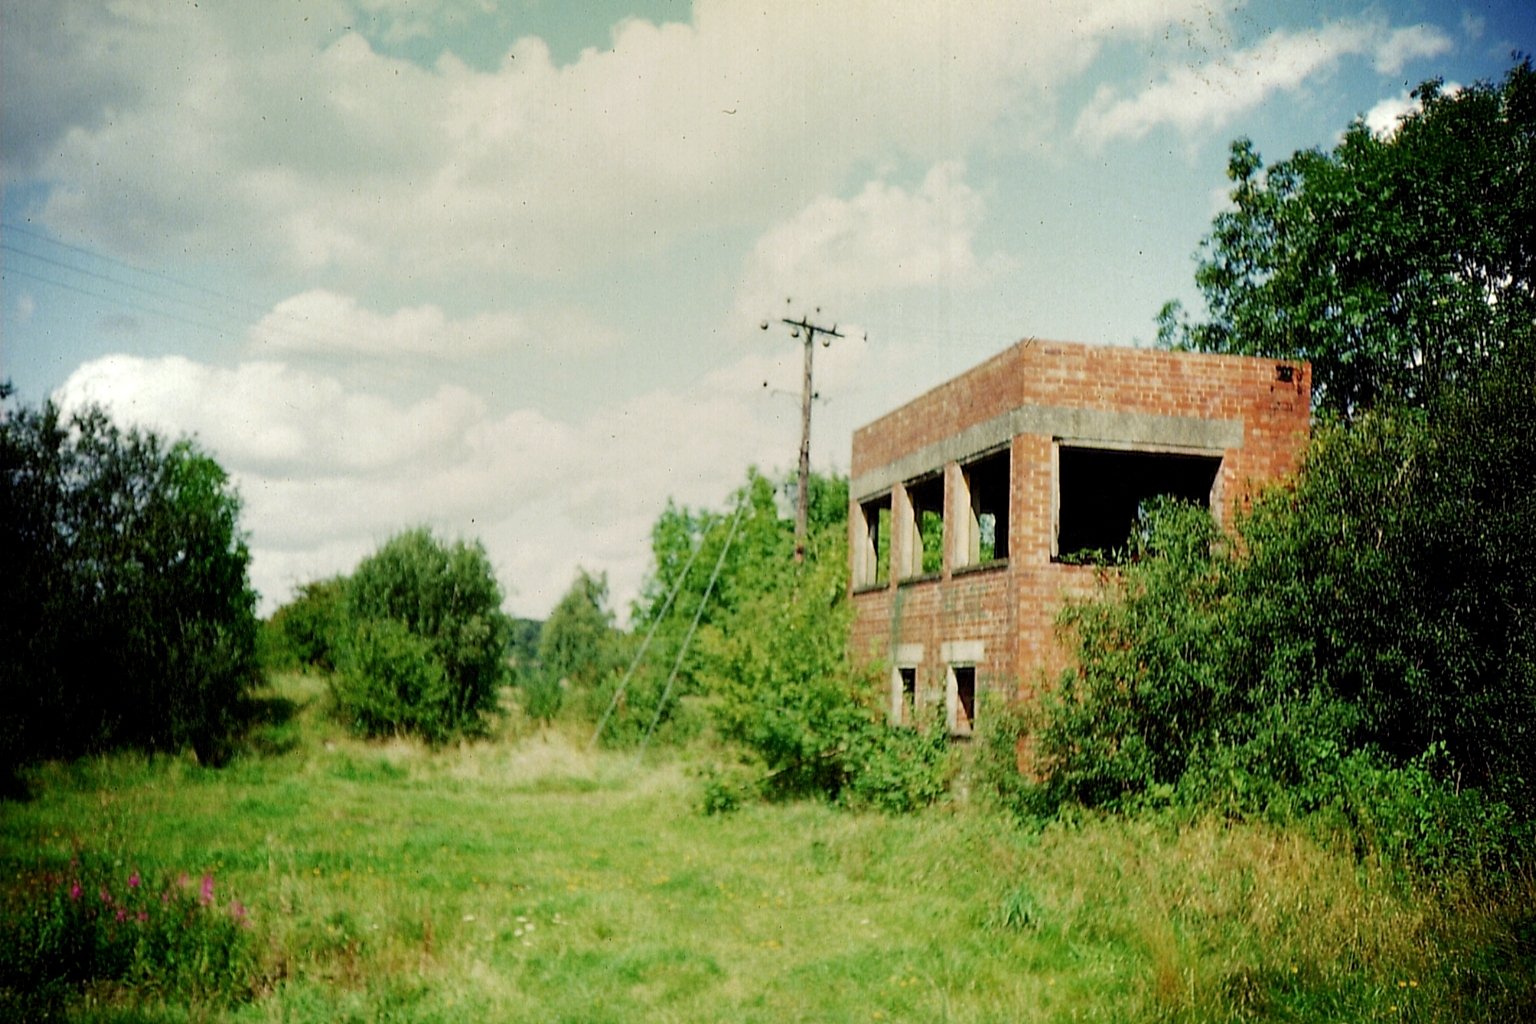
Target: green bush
(1004, 727)
(899, 769)
(425, 646)
(126, 617)
(1363, 648)
(306, 632)
(728, 786)
(392, 682)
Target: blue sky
(499, 268)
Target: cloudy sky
(500, 267)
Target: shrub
(307, 631)
(426, 639)
(899, 770)
(392, 682)
(1004, 728)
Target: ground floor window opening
(962, 700)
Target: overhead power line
(692, 626)
(93, 254)
(619, 692)
(234, 319)
(97, 295)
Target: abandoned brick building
(973, 506)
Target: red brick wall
(1012, 610)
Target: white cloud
(883, 239)
(1406, 44)
(1192, 98)
(321, 321)
(328, 472)
(266, 415)
(318, 152)
(1382, 118)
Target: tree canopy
(1396, 262)
(127, 618)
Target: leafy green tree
(425, 643)
(755, 562)
(128, 618)
(576, 643)
(305, 632)
(1395, 263)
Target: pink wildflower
(122, 914)
(143, 915)
(74, 891)
(206, 896)
(106, 897)
(133, 880)
(237, 908)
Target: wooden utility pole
(810, 331)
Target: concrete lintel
(965, 652)
(908, 655)
(1076, 425)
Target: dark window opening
(927, 497)
(989, 481)
(908, 695)
(1102, 490)
(876, 566)
(965, 698)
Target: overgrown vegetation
(578, 647)
(414, 641)
(167, 939)
(398, 881)
(770, 660)
(306, 632)
(1360, 651)
(126, 617)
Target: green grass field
(523, 880)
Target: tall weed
(169, 939)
